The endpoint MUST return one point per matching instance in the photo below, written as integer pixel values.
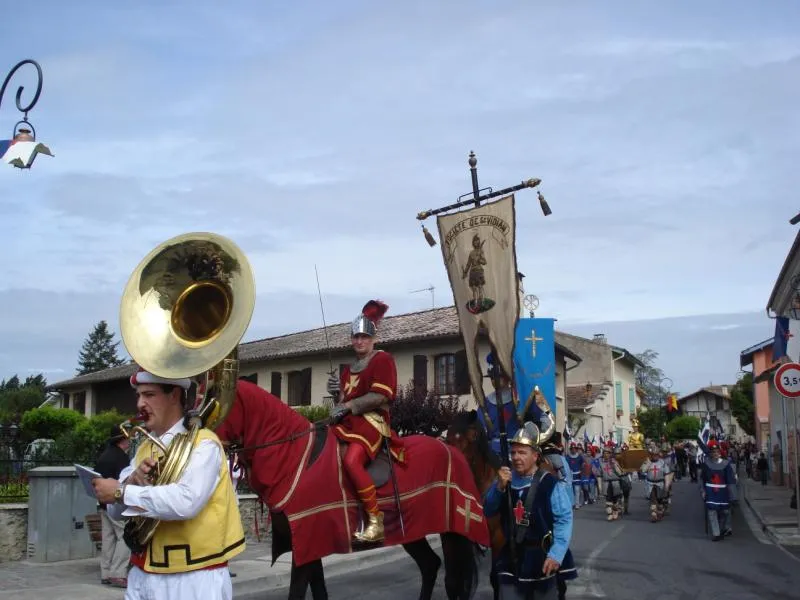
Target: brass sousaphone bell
(183, 313)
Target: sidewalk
(80, 579)
(770, 505)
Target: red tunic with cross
(379, 376)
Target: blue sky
(665, 136)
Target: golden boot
(373, 532)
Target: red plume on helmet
(374, 310)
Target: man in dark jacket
(115, 554)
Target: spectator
(115, 555)
(763, 468)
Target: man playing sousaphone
(361, 417)
(200, 528)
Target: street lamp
(21, 150)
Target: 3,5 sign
(787, 380)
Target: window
(420, 374)
(719, 404)
(252, 378)
(300, 388)
(732, 429)
(275, 384)
(451, 375)
(445, 374)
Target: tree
(652, 421)
(649, 377)
(99, 351)
(16, 399)
(742, 404)
(684, 427)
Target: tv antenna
(430, 289)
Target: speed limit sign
(787, 380)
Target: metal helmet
(367, 322)
(527, 435)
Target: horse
(295, 467)
(468, 435)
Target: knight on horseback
(361, 417)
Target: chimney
(724, 390)
(600, 338)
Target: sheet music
(87, 475)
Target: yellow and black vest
(211, 538)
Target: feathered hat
(367, 322)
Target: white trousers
(206, 584)
(115, 554)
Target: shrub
(683, 427)
(48, 422)
(314, 413)
(415, 411)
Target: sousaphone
(183, 313)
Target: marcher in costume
(594, 484)
(612, 475)
(575, 462)
(114, 554)
(541, 524)
(658, 478)
(361, 417)
(492, 409)
(553, 453)
(586, 478)
(719, 492)
(200, 527)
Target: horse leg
(298, 581)
(428, 562)
(309, 574)
(316, 580)
(460, 565)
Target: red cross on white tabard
(519, 512)
(655, 470)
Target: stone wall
(14, 526)
(13, 531)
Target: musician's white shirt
(182, 500)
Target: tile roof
(716, 390)
(436, 323)
(577, 398)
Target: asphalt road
(630, 559)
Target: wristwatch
(119, 493)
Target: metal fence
(14, 477)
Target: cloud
(314, 137)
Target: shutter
(618, 394)
(275, 384)
(462, 373)
(305, 396)
(631, 400)
(420, 374)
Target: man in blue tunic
(719, 491)
(540, 526)
(509, 411)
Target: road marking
(594, 590)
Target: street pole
(796, 469)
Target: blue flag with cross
(535, 363)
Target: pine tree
(99, 351)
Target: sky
(665, 136)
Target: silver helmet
(367, 322)
(362, 325)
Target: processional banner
(479, 252)
(535, 363)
